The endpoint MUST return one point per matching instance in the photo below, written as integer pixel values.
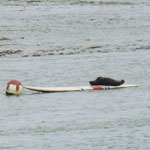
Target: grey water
(68, 43)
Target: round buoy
(14, 87)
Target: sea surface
(53, 43)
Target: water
(68, 43)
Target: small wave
(4, 39)
(68, 51)
(144, 47)
(77, 50)
(95, 47)
(30, 1)
(102, 2)
(9, 52)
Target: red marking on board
(17, 87)
(98, 88)
(8, 86)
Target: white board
(79, 88)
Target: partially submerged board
(79, 88)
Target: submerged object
(14, 87)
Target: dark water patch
(57, 49)
(103, 51)
(77, 50)
(95, 47)
(143, 47)
(4, 39)
(31, 1)
(46, 52)
(25, 55)
(51, 53)
(9, 52)
(71, 2)
(85, 50)
(36, 55)
(85, 2)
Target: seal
(106, 81)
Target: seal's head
(92, 83)
(122, 81)
(14, 87)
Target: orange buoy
(14, 87)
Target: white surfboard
(79, 88)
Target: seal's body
(106, 81)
